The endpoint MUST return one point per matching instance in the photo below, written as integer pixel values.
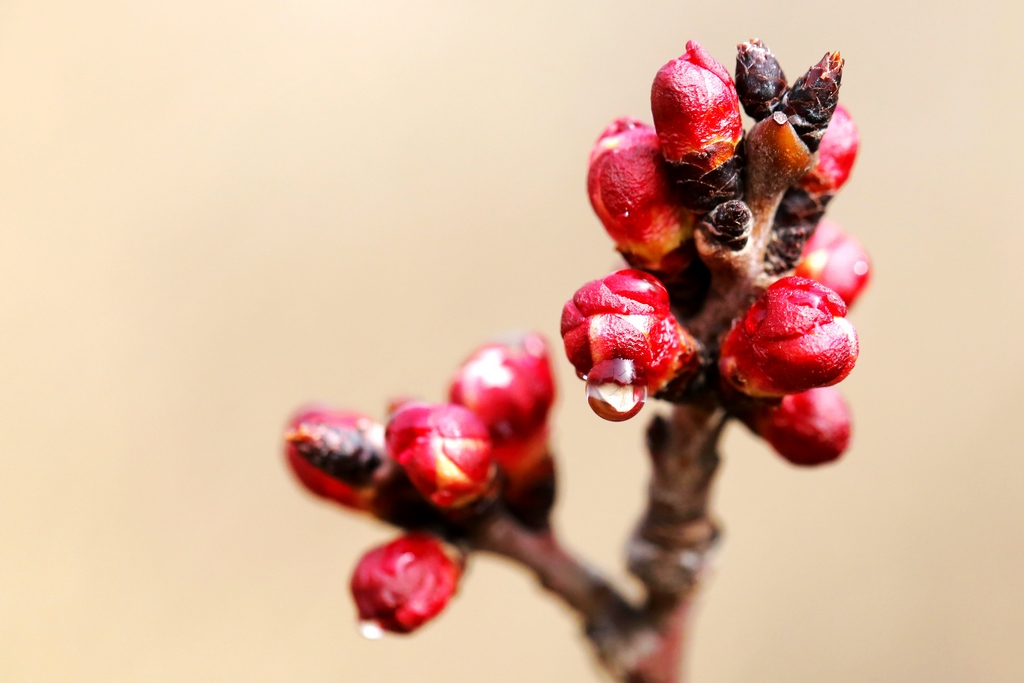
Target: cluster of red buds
(714, 222)
(734, 306)
(432, 468)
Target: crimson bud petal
(626, 316)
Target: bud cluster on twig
(435, 469)
(734, 306)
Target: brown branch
(610, 621)
(635, 643)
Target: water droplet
(860, 267)
(616, 390)
(370, 630)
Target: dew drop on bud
(370, 630)
(616, 390)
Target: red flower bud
(446, 451)
(620, 335)
(836, 260)
(400, 586)
(510, 388)
(630, 193)
(810, 428)
(794, 338)
(696, 109)
(836, 155)
(311, 426)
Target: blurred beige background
(213, 211)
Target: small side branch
(610, 621)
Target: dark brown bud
(729, 224)
(795, 221)
(760, 82)
(809, 104)
(342, 451)
(786, 247)
(700, 190)
(800, 207)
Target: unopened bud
(697, 116)
(508, 384)
(626, 316)
(812, 99)
(446, 451)
(760, 82)
(403, 584)
(696, 109)
(334, 453)
(630, 192)
(809, 428)
(728, 225)
(836, 260)
(795, 337)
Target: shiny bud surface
(795, 337)
(446, 451)
(626, 316)
(696, 109)
(760, 81)
(509, 386)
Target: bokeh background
(212, 211)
